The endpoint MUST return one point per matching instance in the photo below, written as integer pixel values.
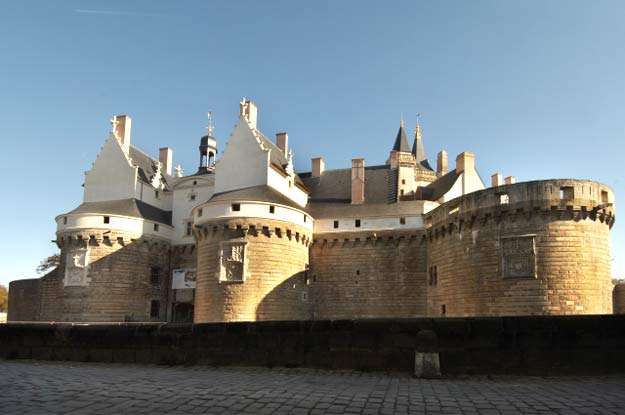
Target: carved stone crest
(76, 267)
(518, 256)
(232, 264)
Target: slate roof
(260, 193)
(335, 186)
(440, 186)
(277, 157)
(147, 167)
(133, 208)
(401, 142)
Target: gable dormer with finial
(250, 159)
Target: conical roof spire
(401, 143)
(418, 150)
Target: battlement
(566, 198)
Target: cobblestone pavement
(30, 387)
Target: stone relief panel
(518, 256)
(232, 264)
(77, 267)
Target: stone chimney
(441, 163)
(465, 161)
(318, 166)
(121, 128)
(282, 141)
(165, 156)
(496, 179)
(510, 180)
(358, 181)
(250, 111)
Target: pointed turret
(401, 143)
(417, 149)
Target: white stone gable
(244, 161)
(112, 176)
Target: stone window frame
(221, 269)
(533, 256)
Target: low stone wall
(545, 345)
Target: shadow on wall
(102, 280)
(288, 301)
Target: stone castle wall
(363, 275)
(529, 248)
(273, 256)
(618, 297)
(24, 299)
(117, 284)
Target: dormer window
(272, 209)
(156, 194)
(64, 220)
(236, 207)
(156, 227)
(107, 219)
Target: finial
(417, 132)
(179, 171)
(210, 123)
(418, 118)
(114, 123)
(401, 120)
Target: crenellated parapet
(562, 199)
(532, 248)
(252, 227)
(378, 238)
(115, 240)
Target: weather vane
(210, 122)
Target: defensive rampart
(368, 275)
(530, 248)
(545, 345)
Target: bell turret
(208, 148)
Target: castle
(247, 238)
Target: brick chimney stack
(358, 181)
(282, 141)
(165, 156)
(510, 180)
(121, 128)
(250, 111)
(318, 166)
(465, 161)
(441, 163)
(496, 179)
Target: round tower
(531, 248)
(252, 257)
(114, 266)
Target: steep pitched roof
(133, 208)
(277, 157)
(147, 167)
(418, 151)
(335, 186)
(261, 193)
(401, 143)
(440, 186)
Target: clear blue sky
(535, 89)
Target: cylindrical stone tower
(252, 254)
(113, 268)
(530, 248)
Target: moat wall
(545, 345)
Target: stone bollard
(427, 362)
